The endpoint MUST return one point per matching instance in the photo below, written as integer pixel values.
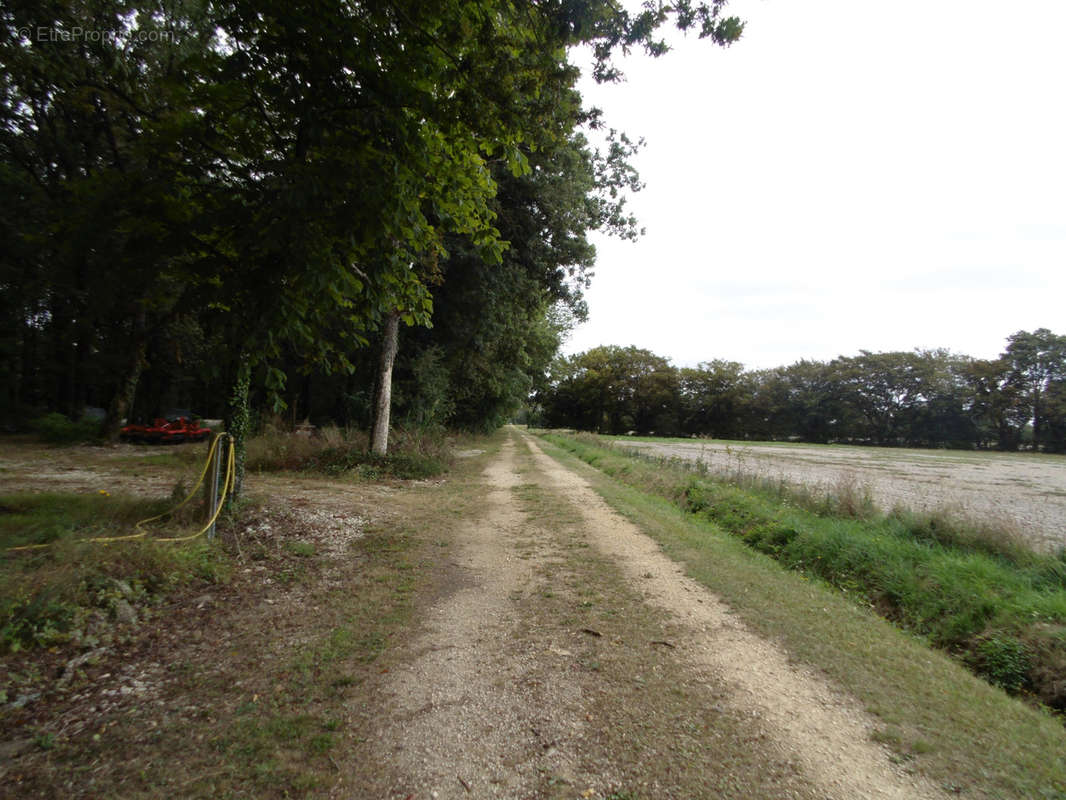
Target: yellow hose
(227, 487)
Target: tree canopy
(224, 190)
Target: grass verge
(60, 593)
(1002, 611)
(967, 735)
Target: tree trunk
(238, 420)
(379, 437)
(122, 400)
(1038, 421)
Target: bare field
(1024, 493)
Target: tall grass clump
(975, 593)
(413, 454)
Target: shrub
(38, 620)
(414, 454)
(57, 429)
(406, 466)
(1003, 661)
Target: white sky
(848, 176)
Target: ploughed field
(1023, 493)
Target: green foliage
(37, 620)
(414, 455)
(405, 466)
(302, 549)
(263, 186)
(239, 422)
(613, 390)
(712, 396)
(47, 594)
(58, 429)
(925, 398)
(425, 399)
(1003, 661)
(988, 604)
(1037, 368)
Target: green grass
(998, 608)
(405, 466)
(58, 429)
(47, 594)
(967, 736)
(285, 742)
(301, 548)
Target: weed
(179, 492)
(40, 619)
(413, 455)
(301, 548)
(336, 461)
(47, 595)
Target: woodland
(247, 208)
(379, 213)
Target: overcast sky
(848, 176)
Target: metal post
(212, 487)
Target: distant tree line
(925, 398)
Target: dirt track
(555, 653)
(1021, 492)
(493, 701)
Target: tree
(614, 390)
(101, 205)
(994, 406)
(714, 398)
(1054, 431)
(1036, 361)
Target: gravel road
(497, 698)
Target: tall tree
(1036, 361)
(614, 390)
(715, 398)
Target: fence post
(212, 505)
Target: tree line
(924, 398)
(237, 205)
